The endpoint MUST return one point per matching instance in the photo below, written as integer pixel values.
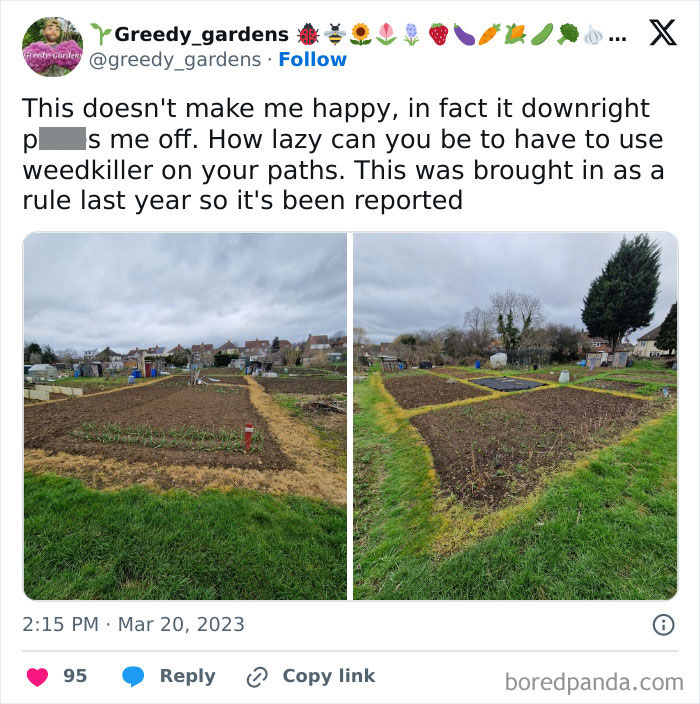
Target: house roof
(177, 348)
(317, 340)
(228, 345)
(203, 347)
(256, 343)
(155, 350)
(651, 335)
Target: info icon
(664, 625)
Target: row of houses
(204, 353)
(644, 347)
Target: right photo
(515, 424)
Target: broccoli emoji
(568, 31)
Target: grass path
(604, 531)
(136, 544)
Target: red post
(248, 433)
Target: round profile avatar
(52, 46)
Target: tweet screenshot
(360, 352)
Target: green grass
(136, 544)
(605, 531)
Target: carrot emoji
(489, 34)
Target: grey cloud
(408, 282)
(87, 291)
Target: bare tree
(336, 337)
(526, 307)
(290, 354)
(359, 337)
(479, 330)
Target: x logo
(663, 33)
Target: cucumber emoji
(541, 38)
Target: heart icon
(37, 677)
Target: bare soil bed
(489, 454)
(628, 387)
(75, 426)
(416, 390)
(184, 379)
(460, 373)
(220, 371)
(306, 385)
(228, 380)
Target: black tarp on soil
(506, 383)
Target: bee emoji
(334, 34)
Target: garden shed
(43, 372)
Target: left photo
(185, 414)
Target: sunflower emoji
(360, 31)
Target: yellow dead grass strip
(410, 412)
(113, 475)
(297, 440)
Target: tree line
(619, 302)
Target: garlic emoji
(593, 36)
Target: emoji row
(439, 32)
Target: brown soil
(219, 371)
(627, 387)
(305, 385)
(228, 380)
(416, 390)
(490, 454)
(164, 407)
(460, 373)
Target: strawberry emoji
(438, 32)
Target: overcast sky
(90, 291)
(405, 283)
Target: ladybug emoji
(308, 35)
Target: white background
(668, 76)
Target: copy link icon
(256, 677)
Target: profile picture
(52, 46)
